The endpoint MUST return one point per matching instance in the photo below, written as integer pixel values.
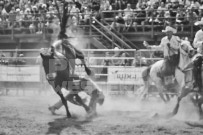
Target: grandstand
(32, 24)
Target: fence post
(90, 25)
(192, 28)
(152, 33)
(12, 31)
(135, 58)
(44, 31)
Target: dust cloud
(148, 108)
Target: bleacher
(39, 28)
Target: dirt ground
(28, 115)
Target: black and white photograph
(101, 67)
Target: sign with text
(19, 74)
(125, 75)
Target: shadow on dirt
(59, 124)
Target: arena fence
(22, 70)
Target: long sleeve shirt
(198, 40)
(174, 45)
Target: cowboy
(170, 46)
(198, 40)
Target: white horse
(183, 75)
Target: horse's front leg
(80, 101)
(175, 110)
(64, 103)
(161, 93)
(184, 92)
(161, 89)
(168, 97)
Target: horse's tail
(145, 74)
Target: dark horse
(58, 75)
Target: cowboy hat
(199, 22)
(168, 28)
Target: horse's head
(187, 49)
(52, 64)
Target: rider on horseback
(170, 46)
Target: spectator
(191, 15)
(159, 18)
(87, 14)
(3, 60)
(181, 19)
(119, 23)
(105, 5)
(118, 5)
(161, 8)
(106, 62)
(140, 18)
(21, 60)
(128, 23)
(116, 62)
(74, 10)
(95, 5)
(32, 26)
(168, 20)
(124, 62)
(139, 61)
(128, 12)
(78, 4)
(54, 26)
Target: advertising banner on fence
(19, 74)
(125, 75)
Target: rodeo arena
(101, 67)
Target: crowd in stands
(163, 12)
(121, 58)
(34, 15)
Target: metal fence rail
(100, 77)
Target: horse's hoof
(52, 110)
